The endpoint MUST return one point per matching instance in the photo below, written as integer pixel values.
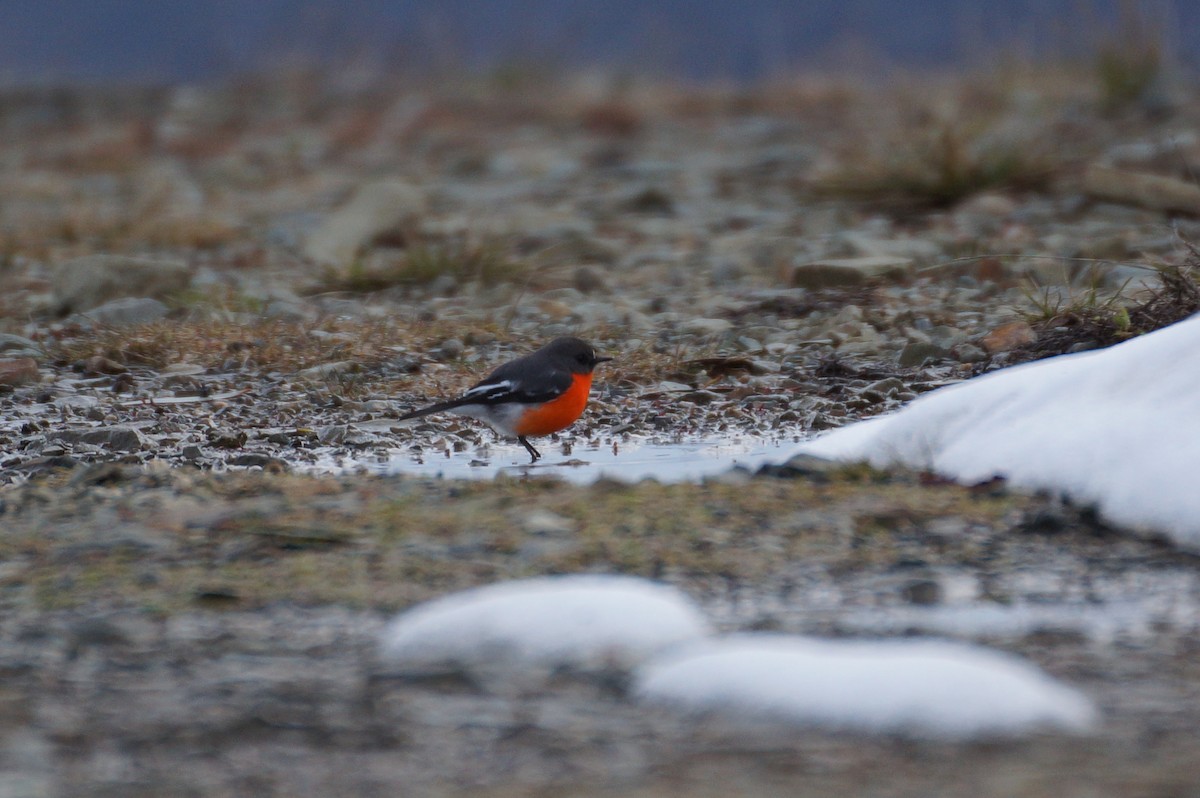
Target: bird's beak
(600, 359)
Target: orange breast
(557, 413)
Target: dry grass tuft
(940, 168)
(1097, 319)
(484, 262)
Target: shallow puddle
(666, 460)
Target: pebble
(1008, 336)
(451, 349)
(20, 346)
(838, 272)
(114, 438)
(19, 371)
(127, 312)
(919, 352)
(706, 327)
(376, 208)
(82, 284)
(325, 371)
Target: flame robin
(538, 394)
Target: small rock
(127, 312)
(226, 438)
(98, 364)
(88, 632)
(923, 592)
(807, 466)
(889, 386)
(969, 353)
(707, 326)
(19, 371)
(19, 346)
(256, 459)
(946, 336)
(544, 522)
(286, 310)
(325, 371)
(442, 285)
(43, 464)
(375, 209)
(333, 434)
(183, 369)
(450, 349)
(650, 200)
(989, 204)
(832, 272)
(589, 279)
(915, 354)
(1156, 192)
(725, 273)
(1008, 336)
(901, 248)
(84, 283)
(116, 438)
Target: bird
(537, 394)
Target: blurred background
(145, 40)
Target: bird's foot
(534, 454)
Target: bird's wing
(504, 386)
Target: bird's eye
(584, 357)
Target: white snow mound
(1118, 427)
(580, 621)
(926, 689)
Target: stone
(224, 438)
(989, 204)
(916, 353)
(98, 364)
(1156, 192)
(376, 208)
(969, 353)
(258, 460)
(902, 248)
(707, 326)
(84, 283)
(127, 312)
(545, 522)
(983, 268)
(805, 466)
(589, 279)
(20, 346)
(450, 349)
(888, 386)
(116, 438)
(327, 371)
(19, 371)
(1008, 336)
(922, 592)
(946, 336)
(287, 310)
(651, 200)
(835, 272)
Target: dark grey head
(574, 354)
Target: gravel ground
(192, 634)
(208, 291)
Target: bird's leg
(534, 453)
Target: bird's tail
(435, 408)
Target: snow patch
(925, 689)
(581, 622)
(1117, 427)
